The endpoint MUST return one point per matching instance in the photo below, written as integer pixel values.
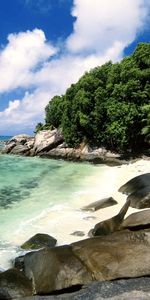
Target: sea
(40, 195)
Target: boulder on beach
(106, 202)
(110, 225)
(55, 269)
(14, 284)
(123, 254)
(140, 198)
(137, 220)
(38, 241)
(135, 184)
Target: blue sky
(48, 44)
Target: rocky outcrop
(50, 144)
(39, 240)
(19, 144)
(85, 153)
(121, 255)
(14, 284)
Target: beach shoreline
(62, 221)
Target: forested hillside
(109, 106)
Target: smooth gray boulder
(135, 184)
(55, 269)
(138, 220)
(140, 198)
(123, 254)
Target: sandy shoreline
(61, 222)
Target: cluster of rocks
(119, 249)
(51, 144)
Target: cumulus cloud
(24, 52)
(103, 23)
(101, 32)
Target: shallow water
(31, 188)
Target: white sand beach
(62, 221)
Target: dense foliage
(109, 106)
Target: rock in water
(140, 198)
(13, 285)
(137, 220)
(111, 225)
(38, 241)
(106, 202)
(135, 184)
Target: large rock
(55, 269)
(13, 285)
(38, 241)
(135, 184)
(137, 220)
(140, 198)
(123, 254)
(46, 140)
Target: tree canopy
(109, 106)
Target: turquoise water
(30, 188)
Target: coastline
(63, 220)
(75, 219)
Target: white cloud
(101, 23)
(102, 30)
(22, 54)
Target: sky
(46, 45)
